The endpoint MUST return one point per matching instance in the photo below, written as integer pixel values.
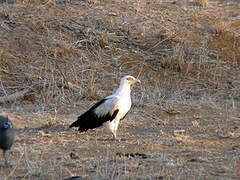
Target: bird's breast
(125, 105)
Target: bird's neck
(123, 90)
(3, 129)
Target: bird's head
(130, 80)
(5, 126)
(3, 120)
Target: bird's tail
(81, 125)
(75, 124)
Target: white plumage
(110, 110)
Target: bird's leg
(115, 135)
(5, 158)
(115, 130)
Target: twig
(5, 27)
(14, 96)
(160, 42)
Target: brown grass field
(58, 57)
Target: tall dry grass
(90, 45)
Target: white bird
(110, 110)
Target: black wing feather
(90, 120)
(124, 116)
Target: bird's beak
(138, 81)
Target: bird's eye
(130, 79)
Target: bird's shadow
(56, 128)
(62, 128)
(52, 128)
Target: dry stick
(68, 84)
(140, 71)
(60, 70)
(65, 61)
(20, 94)
(3, 88)
(14, 96)
(70, 173)
(5, 27)
(161, 41)
(11, 173)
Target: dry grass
(82, 43)
(71, 53)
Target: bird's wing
(107, 107)
(124, 116)
(103, 111)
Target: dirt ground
(57, 58)
(195, 143)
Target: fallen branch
(15, 96)
(38, 87)
(5, 27)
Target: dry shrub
(221, 33)
(57, 42)
(226, 43)
(91, 93)
(201, 3)
(178, 61)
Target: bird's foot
(77, 133)
(123, 139)
(116, 138)
(114, 133)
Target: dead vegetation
(57, 57)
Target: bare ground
(184, 123)
(192, 143)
